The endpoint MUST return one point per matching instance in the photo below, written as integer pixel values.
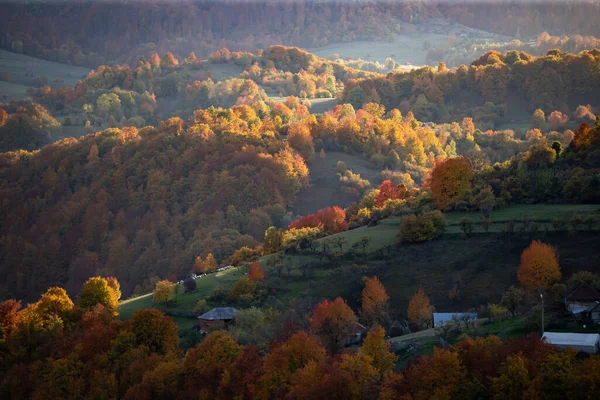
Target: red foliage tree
(333, 321)
(256, 272)
(389, 191)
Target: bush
(242, 291)
(217, 295)
(466, 226)
(423, 227)
(200, 307)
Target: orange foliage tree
(283, 361)
(300, 139)
(389, 191)
(256, 273)
(420, 309)
(333, 321)
(449, 180)
(205, 266)
(9, 317)
(374, 301)
(539, 266)
(330, 219)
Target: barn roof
(582, 291)
(571, 339)
(219, 313)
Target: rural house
(356, 335)
(219, 317)
(582, 301)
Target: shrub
(243, 290)
(423, 227)
(217, 295)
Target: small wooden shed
(219, 317)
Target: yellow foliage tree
(163, 291)
(420, 309)
(376, 347)
(98, 290)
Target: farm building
(440, 319)
(356, 334)
(582, 301)
(219, 317)
(584, 342)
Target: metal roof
(440, 319)
(219, 313)
(571, 339)
(582, 291)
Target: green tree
(512, 298)
(356, 97)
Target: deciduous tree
(98, 290)
(273, 240)
(420, 309)
(333, 321)
(256, 273)
(163, 291)
(374, 301)
(449, 180)
(539, 266)
(378, 349)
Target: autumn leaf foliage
(420, 309)
(539, 266)
(333, 321)
(389, 191)
(374, 300)
(99, 290)
(256, 273)
(449, 180)
(330, 219)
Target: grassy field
(17, 65)
(223, 71)
(409, 48)
(318, 106)
(183, 303)
(325, 182)
(405, 49)
(482, 265)
(12, 91)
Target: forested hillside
(46, 29)
(494, 87)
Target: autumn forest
(299, 200)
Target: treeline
(464, 51)
(46, 30)
(525, 19)
(494, 87)
(120, 95)
(56, 349)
